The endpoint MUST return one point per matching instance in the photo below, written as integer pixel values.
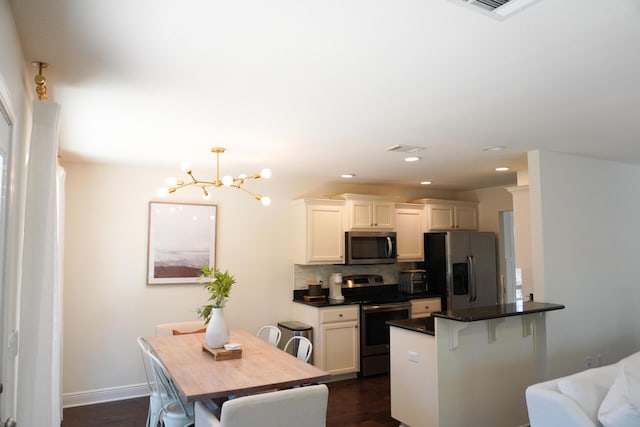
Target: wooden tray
(309, 298)
(221, 353)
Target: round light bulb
(265, 173)
(162, 192)
(266, 201)
(185, 166)
(227, 180)
(172, 181)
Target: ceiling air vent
(490, 4)
(404, 148)
(497, 8)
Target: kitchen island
(467, 367)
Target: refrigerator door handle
(470, 278)
(473, 288)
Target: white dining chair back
(175, 412)
(300, 407)
(271, 334)
(301, 347)
(156, 395)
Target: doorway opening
(510, 280)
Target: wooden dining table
(198, 375)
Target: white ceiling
(320, 88)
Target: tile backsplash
(302, 274)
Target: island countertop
(497, 311)
(425, 325)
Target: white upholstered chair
(173, 410)
(296, 407)
(304, 347)
(271, 334)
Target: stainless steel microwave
(370, 247)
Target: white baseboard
(91, 397)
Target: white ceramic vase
(217, 334)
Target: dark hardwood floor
(358, 402)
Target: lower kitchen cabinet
(336, 336)
(423, 307)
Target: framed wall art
(182, 240)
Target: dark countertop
(497, 311)
(425, 325)
(326, 302)
(350, 297)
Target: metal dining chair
(300, 407)
(271, 334)
(157, 395)
(302, 347)
(175, 412)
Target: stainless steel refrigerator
(461, 265)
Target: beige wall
(585, 246)
(492, 201)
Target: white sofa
(607, 396)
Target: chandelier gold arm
(234, 182)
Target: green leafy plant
(219, 286)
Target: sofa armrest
(548, 407)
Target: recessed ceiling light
(412, 159)
(425, 182)
(502, 169)
(348, 175)
(493, 148)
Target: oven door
(374, 332)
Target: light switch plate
(413, 356)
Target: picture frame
(182, 240)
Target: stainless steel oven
(374, 334)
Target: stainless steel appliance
(378, 304)
(370, 247)
(413, 281)
(462, 266)
(374, 334)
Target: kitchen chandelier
(226, 181)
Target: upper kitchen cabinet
(409, 224)
(446, 215)
(318, 230)
(369, 212)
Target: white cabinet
(336, 336)
(409, 230)
(445, 215)
(423, 307)
(318, 231)
(369, 212)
